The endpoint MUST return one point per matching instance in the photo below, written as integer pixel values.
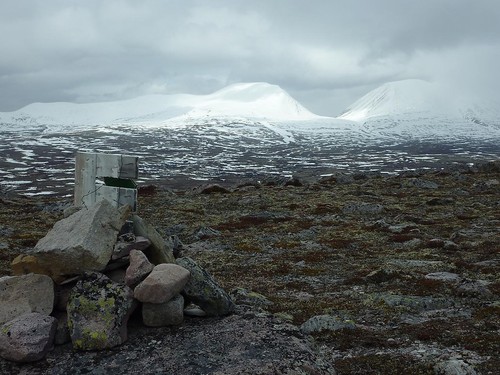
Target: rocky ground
(406, 269)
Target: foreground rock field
(401, 273)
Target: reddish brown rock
(138, 269)
(28, 337)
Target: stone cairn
(85, 278)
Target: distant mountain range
(242, 100)
(244, 130)
(409, 108)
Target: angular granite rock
(162, 284)
(204, 291)
(170, 313)
(82, 242)
(98, 312)
(160, 251)
(28, 337)
(24, 294)
(138, 269)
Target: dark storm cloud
(326, 53)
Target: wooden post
(118, 172)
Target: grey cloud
(326, 53)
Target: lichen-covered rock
(162, 284)
(28, 337)
(420, 183)
(362, 208)
(138, 269)
(160, 250)
(320, 323)
(443, 276)
(204, 291)
(82, 242)
(24, 294)
(413, 303)
(98, 312)
(170, 313)
(454, 367)
(242, 296)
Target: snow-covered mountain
(251, 129)
(395, 98)
(409, 109)
(416, 108)
(248, 100)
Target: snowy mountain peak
(407, 96)
(248, 91)
(252, 100)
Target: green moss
(91, 340)
(5, 329)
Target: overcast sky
(325, 53)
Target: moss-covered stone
(98, 312)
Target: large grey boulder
(160, 250)
(170, 313)
(28, 337)
(24, 294)
(82, 242)
(204, 291)
(98, 312)
(162, 284)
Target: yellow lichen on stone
(23, 264)
(91, 340)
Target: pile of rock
(85, 278)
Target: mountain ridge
(411, 109)
(254, 100)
